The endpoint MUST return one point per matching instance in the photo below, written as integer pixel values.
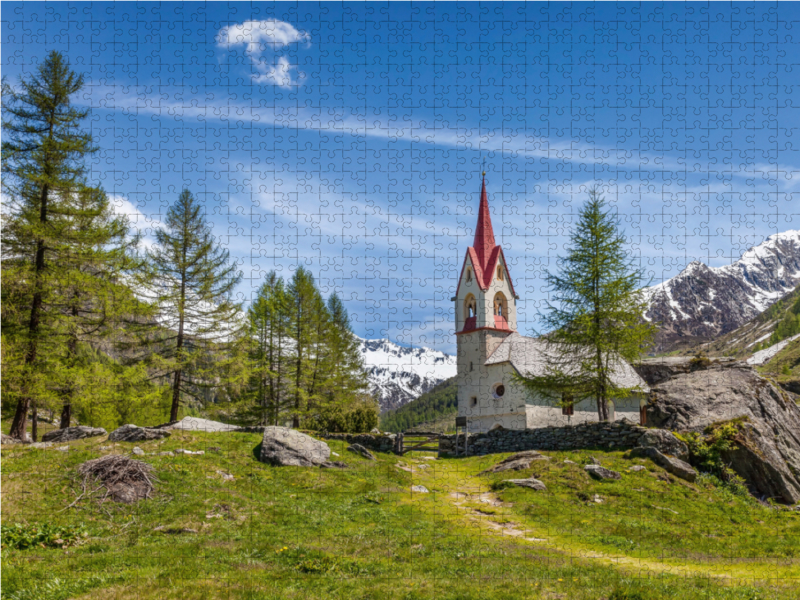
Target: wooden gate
(419, 441)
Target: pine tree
(58, 233)
(597, 319)
(345, 378)
(268, 316)
(306, 312)
(193, 288)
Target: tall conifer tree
(193, 284)
(62, 246)
(596, 320)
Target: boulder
(767, 453)
(198, 424)
(636, 468)
(665, 442)
(137, 451)
(420, 489)
(333, 464)
(531, 483)
(670, 464)
(282, 446)
(132, 433)
(361, 451)
(601, 473)
(70, 434)
(7, 439)
(516, 462)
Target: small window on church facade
(469, 274)
(474, 401)
(500, 305)
(567, 405)
(470, 367)
(499, 390)
(499, 272)
(470, 306)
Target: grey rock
(601, 473)
(334, 464)
(665, 442)
(516, 462)
(69, 434)
(361, 451)
(531, 483)
(189, 452)
(63, 449)
(569, 462)
(7, 439)
(420, 489)
(167, 453)
(637, 468)
(40, 445)
(198, 424)
(670, 464)
(282, 446)
(767, 453)
(375, 430)
(132, 433)
(137, 451)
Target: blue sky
(350, 137)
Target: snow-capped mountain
(398, 375)
(702, 303)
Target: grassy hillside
(435, 407)
(283, 533)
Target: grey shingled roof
(529, 357)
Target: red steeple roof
(484, 235)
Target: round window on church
(499, 390)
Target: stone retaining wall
(375, 442)
(617, 435)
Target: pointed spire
(484, 235)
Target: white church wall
(541, 411)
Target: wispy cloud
(260, 36)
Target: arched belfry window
(500, 305)
(470, 306)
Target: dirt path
(468, 497)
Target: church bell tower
(485, 313)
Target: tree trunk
(66, 414)
(34, 423)
(19, 423)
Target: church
(491, 351)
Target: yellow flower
(561, 580)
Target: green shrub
(23, 536)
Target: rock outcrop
(282, 446)
(69, 434)
(601, 473)
(7, 439)
(670, 464)
(691, 395)
(361, 451)
(198, 424)
(531, 483)
(516, 462)
(665, 442)
(132, 433)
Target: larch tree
(193, 283)
(58, 235)
(269, 353)
(596, 317)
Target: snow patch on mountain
(762, 356)
(702, 302)
(399, 374)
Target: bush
(705, 453)
(23, 536)
(335, 419)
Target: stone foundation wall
(374, 442)
(618, 435)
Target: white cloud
(257, 36)
(138, 221)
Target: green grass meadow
(360, 533)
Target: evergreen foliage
(596, 319)
(192, 284)
(434, 404)
(64, 249)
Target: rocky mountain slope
(399, 374)
(690, 395)
(702, 303)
